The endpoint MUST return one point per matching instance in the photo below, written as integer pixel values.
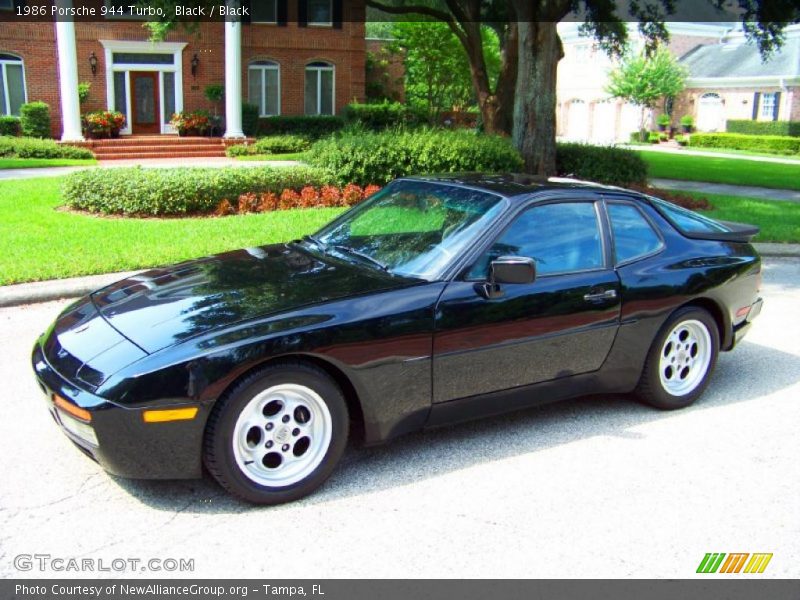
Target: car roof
(517, 185)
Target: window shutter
(777, 107)
(282, 10)
(302, 13)
(337, 14)
(756, 102)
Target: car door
(561, 324)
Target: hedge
(171, 192)
(274, 144)
(381, 115)
(602, 164)
(747, 127)
(9, 125)
(35, 119)
(368, 157)
(24, 147)
(773, 144)
(312, 127)
(249, 119)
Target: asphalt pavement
(596, 487)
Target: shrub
(603, 164)
(240, 150)
(22, 147)
(9, 125)
(790, 128)
(288, 199)
(311, 127)
(380, 115)
(158, 192)
(367, 157)
(773, 144)
(35, 119)
(249, 119)
(663, 120)
(281, 144)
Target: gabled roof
(737, 59)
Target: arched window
(264, 87)
(12, 84)
(320, 88)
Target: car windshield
(411, 228)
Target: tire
(277, 435)
(680, 360)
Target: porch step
(158, 146)
(162, 154)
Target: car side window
(634, 237)
(561, 238)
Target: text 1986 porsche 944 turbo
(436, 300)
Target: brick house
(727, 80)
(291, 57)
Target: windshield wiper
(363, 255)
(315, 241)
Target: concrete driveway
(590, 488)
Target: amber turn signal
(71, 409)
(169, 414)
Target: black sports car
(436, 300)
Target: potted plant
(191, 123)
(103, 123)
(663, 121)
(687, 122)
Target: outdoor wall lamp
(93, 63)
(195, 64)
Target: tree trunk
(534, 130)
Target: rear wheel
(278, 434)
(680, 361)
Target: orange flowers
(308, 197)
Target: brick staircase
(156, 146)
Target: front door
(562, 324)
(144, 86)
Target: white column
(68, 77)
(233, 75)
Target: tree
(644, 80)
(531, 50)
(436, 66)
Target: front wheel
(680, 361)
(278, 434)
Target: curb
(58, 289)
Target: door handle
(604, 295)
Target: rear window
(686, 220)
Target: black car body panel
(407, 353)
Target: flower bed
(327, 196)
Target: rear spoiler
(737, 232)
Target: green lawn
(288, 156)
(36, 163)
(779, 221)
(792, 157)
(733, 171)
(38, 242)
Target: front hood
(162, 307)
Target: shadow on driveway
(750, 372)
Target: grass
(38, 242)
(288, 156)
(733, 171)
(779, 221)
(37, 163)
(792, 157)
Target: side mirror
(512, 269)
(506, 269)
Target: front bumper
(123, 443)
(740, 330)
